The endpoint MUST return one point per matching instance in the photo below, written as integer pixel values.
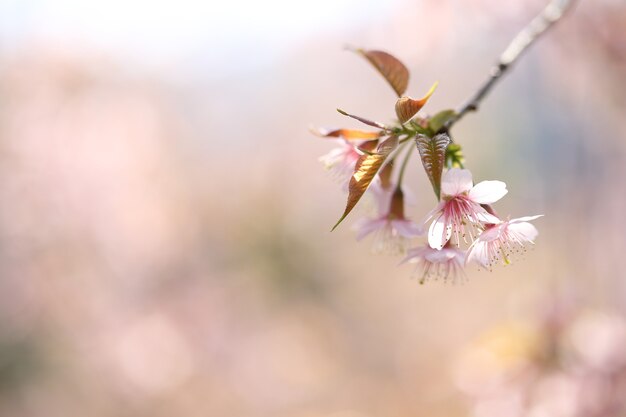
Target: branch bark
(551, 14)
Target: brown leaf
(433, 153)
(385, 175)
(347, 134)
(368, 147)
(406, 107)
(362, 120)
(367, 166)
(390, 67)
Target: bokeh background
(164, 219)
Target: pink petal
(438, 233)
(381, 196)
(478, 253)
(414, 255)
(407, 228)
(431, 214)
(484, 217)
(439, 256)
(331, 158)
(487, 192)
(456, 181)
(525, 219)
(490, 234)
(366, 226)
(525, 230)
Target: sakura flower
(498, 241)
(446, 263)
(382, 188)
(392, 231)
(340, 161)
(459, 212)
(379, 198)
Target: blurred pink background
(164, 219)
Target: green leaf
(433, 153)
(367, 166)
(418, 128)
(440, 119)
(454, 156)
(390, 67)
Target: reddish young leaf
(433, 154)
(406, 107)
(385, 175)
(368, 147)
(362, 120)
(365, 170)
(390, 67)
(347, 134)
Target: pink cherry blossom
(381, 195)
(340, 161)
(446, 263)
(392, 231)
(459, 212)
(499, 241)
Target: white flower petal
(440, 256)
(525, 230)
(364, 227)
(484, 217)
(492, 233)
(331, 158)
(381, 196)
(433, 212)
(438, 233)
(487, 192)
(415, 255)
(456, 181)
(525, 219)
(407, 228)
(478, 253)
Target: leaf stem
(551, 14)
(405, 162)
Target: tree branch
(551, 14)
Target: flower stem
(405, 162)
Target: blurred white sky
(161, 33)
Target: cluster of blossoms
(463, 228)
(573, 365)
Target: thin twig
(551, 14)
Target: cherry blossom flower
(392, 231)
(340, 161)
(499, 241)
(446, 263)
(459, 212)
